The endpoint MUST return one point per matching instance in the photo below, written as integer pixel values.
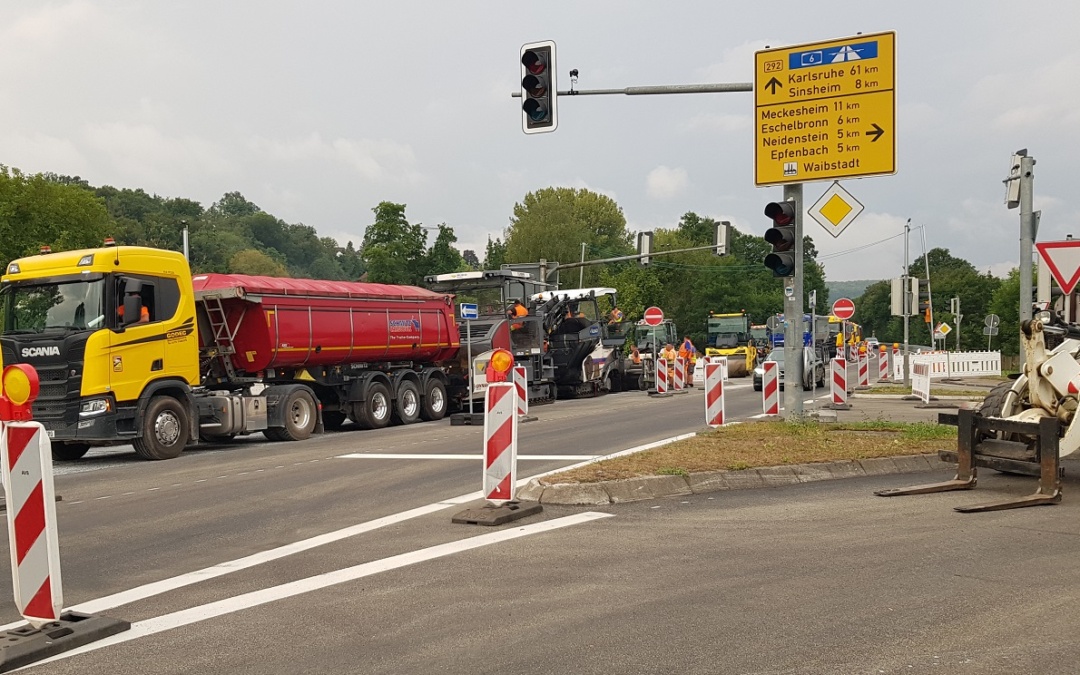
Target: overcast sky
(317, 111)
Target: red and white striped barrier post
(521, 387)
(26, 459)
(714, 394)
(897, 363)
(864, 370)
(661, 376)
(31, 508)
(839, 384)
(883, 364)
(770, 389)
(677, 382)
(500, 442)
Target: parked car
(813, 369)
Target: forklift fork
(973, 451)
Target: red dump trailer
(362, 351)
(303, 323)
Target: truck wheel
(333, 419)
(300, 417)
(434, 404)
(375, 410)
(69, 452)
(407, 405)
(164, 429)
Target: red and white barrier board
(838, 387)
(679, 378)
(864, 370)
(770, 388)
(522, 390)
(714, 394)
(883, 365)
(661, 376)
(500, 442)
(26, 454)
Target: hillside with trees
(235, 235)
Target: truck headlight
(95, 407)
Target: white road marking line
(391, 455)
(187, 579)
(261, 597)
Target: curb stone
(653, 487)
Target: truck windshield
(727, 332)
(63, 306)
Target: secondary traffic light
(782, 238)
(924, 305)
(538, 94)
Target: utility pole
(581, 274)
(914, 302)
(793, 315)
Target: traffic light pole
(658, 89)
(793, 315)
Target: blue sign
(830, 55)
(470, 310)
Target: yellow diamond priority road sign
(825, 110)
(835, 210)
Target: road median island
(752, 455)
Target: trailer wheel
(333, 419)
(164, 429)
(375, 410)
(407, 405)
(69, 452)
(301, 414)
(434, 404)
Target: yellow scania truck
(131, 348)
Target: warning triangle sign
(1063, 260)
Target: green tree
(36, 210)
(394, 251)
(443, 257)
(494, 254)
(251, 261)
(552, 223)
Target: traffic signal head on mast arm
(538, 93)
(781, 236)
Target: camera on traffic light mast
(538, 93)
(782, 238)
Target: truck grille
(53, 393)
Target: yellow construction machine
(729, 335)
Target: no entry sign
(654, 316)
(843, 309)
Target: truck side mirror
(132, 310)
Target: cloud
(664, 182)
(713, 122)
(142, 155)
(381, 160)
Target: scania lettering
(28, 352)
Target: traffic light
(782, 237)
(924, 305)
(538, 94)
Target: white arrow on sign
(1063, 260)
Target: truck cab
(104, 328)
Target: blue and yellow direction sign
(825, 111)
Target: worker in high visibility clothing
(688, 352)
(516, 311)
(669, 354)
(616, 316)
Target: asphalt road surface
(293, 558)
